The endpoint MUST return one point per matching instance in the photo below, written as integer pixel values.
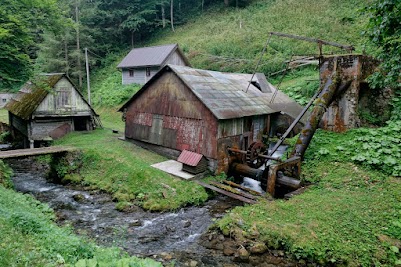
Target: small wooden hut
(193, 162)
(48, 109)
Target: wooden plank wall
(65, 100)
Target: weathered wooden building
(5, 98)
(141, 64)
(182, 108)
(48, 109)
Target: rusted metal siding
(64, 101)
(186, 122)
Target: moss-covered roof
(31, 95)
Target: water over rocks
(181, 237)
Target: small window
(148, 72)
(4, 100)
(131, 73)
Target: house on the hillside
(141, 64)
(49, 109)
(203, 111)
(5, 98)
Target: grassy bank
(29, 237)
(123, 169)
(350, 216)
(3, 115)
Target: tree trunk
(163, 16)
(226, 2)
(67, 65)
(172, 15)
(78, 45)
(203, 4)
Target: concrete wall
(344, 112)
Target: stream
(180, 237)
(163, 236)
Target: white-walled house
(143, 63)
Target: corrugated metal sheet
(189, 158)
(227, 95)
(149, 56)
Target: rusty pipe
(288, 182)
(235, 150)
(245, 170)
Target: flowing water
(138, 232)
(170, 236)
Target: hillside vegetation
(232, 39)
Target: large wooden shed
(203, 111)
(48, 109)
(142, 63)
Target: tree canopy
(384, 30)
(21, 24)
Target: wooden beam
(349, 48)
(224, 192)
(20, 153)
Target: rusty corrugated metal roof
(149, 56)
(227, 95)
(189, 158)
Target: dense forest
(50, 36)
(53, 33)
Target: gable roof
(29, 97)
(227, 95)
(189, 158)
(150, 56)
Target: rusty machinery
(279, 173)
(285, 174)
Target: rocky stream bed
(181, 238)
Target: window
(4, 100)
(131, 72)
(148, 72)
(63, 97)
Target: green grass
(350, 216)
(215, 41)
(124, 170)
(111, 118)
(29, 237)
(338, 21)
(3, 115)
